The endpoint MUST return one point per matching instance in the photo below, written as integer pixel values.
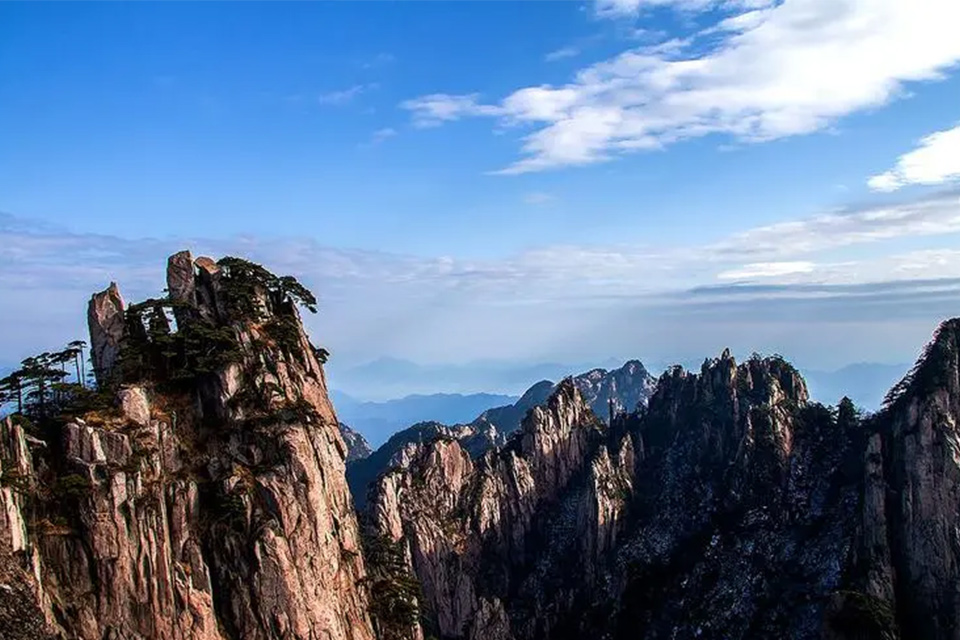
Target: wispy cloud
(935, 160)
(929, 216)
(562, 54)
(747, 76)
(435, 109)
(383, 134)
(551, 302)
(766, 270)
(379, 136)
(630, 8)
(345, 96)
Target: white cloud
(382, 134)
(536, 303)
(766, 270)
(931, 216)
(778, 70)
(936, 160)
(437, 108)
(617, 8)
(562, 54)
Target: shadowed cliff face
(731, 507)
(917, 454)
(208, 503)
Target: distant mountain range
(387, 378)
(377, 421)
(864, 383)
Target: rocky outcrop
(470, 524)
(729, 507)
(357, 446)
(507, 419)
(913, 493)
(182, 285)
(606, 393)
(106, 321)
(622, 390)
(21, 602)
(205, 505)
(403, 446)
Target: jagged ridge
(730, 507)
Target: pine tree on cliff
(11, 389)
(76, 348)
(39, 374)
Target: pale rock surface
(105, 318)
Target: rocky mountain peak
(203, 494)
(357, 446)
(729, 507)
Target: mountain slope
(357, 446)
(617, 390)
(379, 420)
(730, 507)
(201, 494)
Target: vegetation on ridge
(151, 350)
(928, 373)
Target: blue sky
(562, 181)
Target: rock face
(357, 446)
(105, 320)
(918, 457)
(606, 393)
(400, 449)
(618, 390)
(210, 507)
(469, 524)
(729, 507)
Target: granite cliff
(202, 494)
(731, 506)
(606, 393)
(357, 446)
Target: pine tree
(76, 347)
(11, 388)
